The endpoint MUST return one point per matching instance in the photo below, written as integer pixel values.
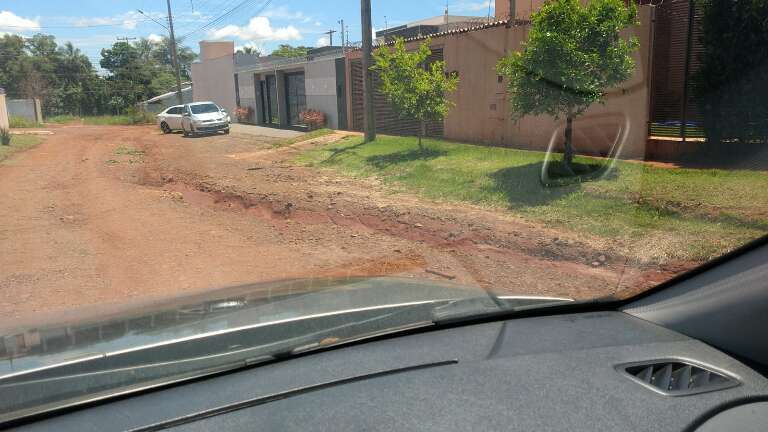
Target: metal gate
(296, 97)
(387, 120)
(676, 52)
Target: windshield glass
(204, 109)
(456, 159)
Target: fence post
(38, 111)
(4, 124)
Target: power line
(215, 21)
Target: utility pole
(343, 42)
(370, 121)
(174, 57)
(330, 36)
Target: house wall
(213, 77)
(3, 111)
(320, 85)
(247, 92)
(481, 113)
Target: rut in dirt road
(104, 215)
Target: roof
(166, 95)
(440, 19)
(471, 28)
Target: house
(429, 26)
(481, 113)
(276, 90)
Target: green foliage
(62, 119)
(5, 137)
(64, 79)
(18, 122)
(573, 54)
(417, 89)
(731, 82)
(285, 50)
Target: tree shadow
(387, 160)
(522, 185)
(338, 151)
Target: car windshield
(373, 169)
(204, 109)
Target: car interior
(690, 355)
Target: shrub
(5, 137)
(138, 116)
(243, 113)
(312, 118)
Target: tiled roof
(512, 23)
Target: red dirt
(82, 223)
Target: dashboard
(562, 372)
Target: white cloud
(257, 29)
(127, 20)
(252, 45)
(13, 23)
(282, 12)
(155, 38)
(322, 42)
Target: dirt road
(103, 215)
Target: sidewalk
(243, 129)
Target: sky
(95, 24)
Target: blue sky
(94, 24)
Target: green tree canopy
(416, 88)
(285, 50)
(572, 55)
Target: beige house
(481, 113)
(213, 76)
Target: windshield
(204, 109)
(457, 159)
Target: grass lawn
(17, 122)
(19, 143)
(648, 213)
(117, 120)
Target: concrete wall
(3, 111)
(213, 77)
(320, 83)
(28, 108)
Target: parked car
(170, 119)
(204, 117)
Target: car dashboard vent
(677, 377)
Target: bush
(138, 116)
(243, 114)
(61, 119)
(22, 122)
(312, 118)
(5, 137)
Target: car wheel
(226, 131)
(184, 131)
(165, 128)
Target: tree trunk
(422, 132)
(568, 151)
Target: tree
(285, 50)
(416, 88)
(250, 50)
(572, 55)
(730, 84)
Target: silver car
(204, 117)
(170, 119)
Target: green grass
(62, 119)
(305, 137)
(118, 120)
(649, 213)
(17, 122)
(19, 143)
